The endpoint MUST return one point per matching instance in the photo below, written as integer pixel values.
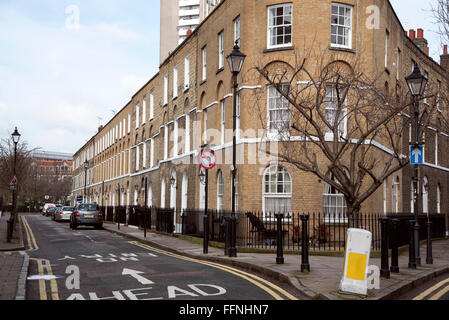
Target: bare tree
(23, 165)
(333, 120)
(441, 14)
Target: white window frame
(237, 30)
(151, 153)
(223, 120)
(436, 148)
(387, 42)
(144, 155)
(278, 104)
(220, 191)
(129, 123)
(175, 82)
(137, 158)
(187, 133)
(144, 109)
(151, 106)
(271, 27)
(137, 115)
(344, 26)
(221, 50)
(334, 204)
(166, 89)
(204, 63)
(285, 195)
(186, 73)
(342, 127)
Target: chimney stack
(444, 59)
(419, 40)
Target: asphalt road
(89, 264)
(436, 289)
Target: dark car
(86, 214)
(50, 211)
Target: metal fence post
(394, 246)
(411, 244)
(384, 269)
(429, 258)
(232, 250)
(305, 265)
(279, 241)
(206, 233)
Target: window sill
(202, 82)
(219, 70)
(186, 89)
(344, 49)
(387, 71)
(274, 49)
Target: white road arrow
(137, 275)
(416, 153)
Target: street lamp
(15, 138)
(235, 61)
(417, 83)
(86, 166)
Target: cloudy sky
(66, 65)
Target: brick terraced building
(155, 139)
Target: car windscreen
(67, 209)
(88, 207)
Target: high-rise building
(178, 19)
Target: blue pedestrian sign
(416, 155)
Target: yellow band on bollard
(356, 266)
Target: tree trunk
(353, 212)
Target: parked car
(86, 214)
(63, 213)
(46, 206)
(49, 211)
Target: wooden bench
(268, 235)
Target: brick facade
(114, 162)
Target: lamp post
(86, 166)
(235, 61)
(204, 179)
(15, 138)
(416, 82)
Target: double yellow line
(433, 289)
(272, 289)
(30, 236)
(32, 245)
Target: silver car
(86, 214)
(63, 213)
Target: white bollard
(358, 248)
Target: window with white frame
(151, 106)
(220, 191)
(387, 40)
(335, 104)
(279, 25)
(341, 25)
(129, 122)
(334, 203)
(438, 198)
(137, 158)
(186, 73)
(277, 191)
(223, 120)
(395, 196)
(204, 63)
(237, 31)
(137, 116)
(221, 50)
(436, 148)
(278, 110)
(144, 110)
(187, 134)
(175, 82)
(144, 155)
(425, 195)
(151, 153)
(165, 89)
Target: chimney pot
(412, 34)
(420, 33)
(445, 49)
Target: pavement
(321, 282)
(13, 263)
